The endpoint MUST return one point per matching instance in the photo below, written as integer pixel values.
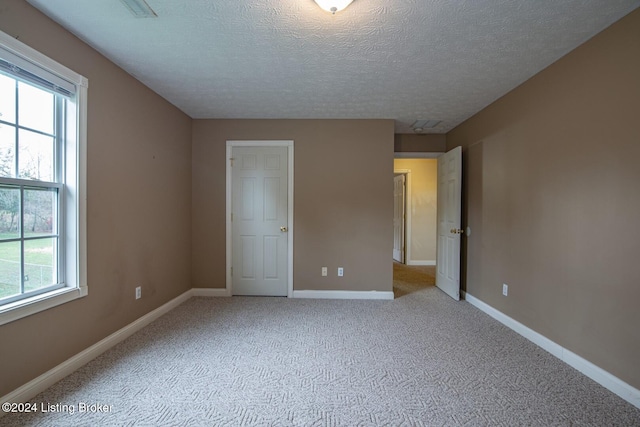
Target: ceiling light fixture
(333, 6)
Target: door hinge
(231, 159)
(231, 271)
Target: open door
(398, 218)
(449, 213)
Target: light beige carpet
(409, 279)
(419, 360)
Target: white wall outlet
(340, 271)
(139, 292)
(324, 271)
(505, 289)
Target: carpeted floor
(409, 279)
(419, 360)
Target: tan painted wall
(554, 201)
(424, 204)
(139, 206)
(419, 143)
(343, 199)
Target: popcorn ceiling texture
(402, 60)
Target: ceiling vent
(420, 125)
(139, 8)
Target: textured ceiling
(404, 60)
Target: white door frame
(407, 214)
(259, 143)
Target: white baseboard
(211, 292)
(599, 375)
(52, 376)
(425, 262)
(344, 295)
(46, 380)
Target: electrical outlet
(505, 289)
(139, 292)
(324, 271)
(340, 271)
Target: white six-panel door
(398, 217)
(449, 213)
(259, 221)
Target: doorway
(420, 209)
(415, 270)
(446, 235)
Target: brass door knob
(457, 231)
(284, 229)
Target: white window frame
(74, 202)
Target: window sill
(27, 307)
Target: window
(42, 191)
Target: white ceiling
(404, 59)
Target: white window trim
(75, 226)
